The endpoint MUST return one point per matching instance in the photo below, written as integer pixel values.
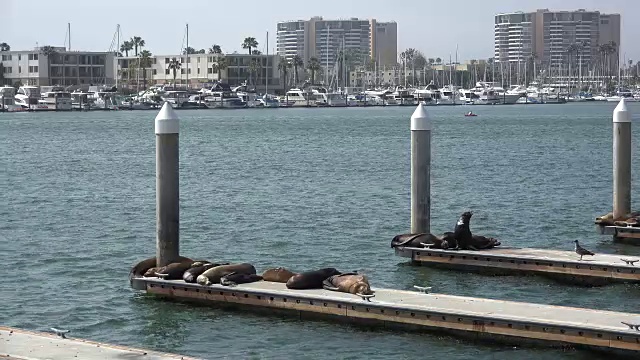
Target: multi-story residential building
(34, 67)
(199, 69)
(325, 39)
(548, 35)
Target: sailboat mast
(187, 51)
(326, 65)
(69, 30)
(117, 49)
(266, 81)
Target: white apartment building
(198, 70)
(33, 67)
(324, 39)
(548, 34)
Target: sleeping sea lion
(483, 242)
(279, 274)
(140, 268)
(235, 278)
(311, 279)
(151, 272)
(174, 271)
(352, 283)
(414, 240)
(190, 275)
(213, 275)
(462, 232)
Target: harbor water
(303, 189)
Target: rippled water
(297, 188)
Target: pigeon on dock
(632, 326)
(582, 251)
(60, 332)
(630, 262)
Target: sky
(433, 27)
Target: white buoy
(167, 126)
(621, 161)
(420, 171)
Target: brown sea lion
(191, 274)
(140, 268)
(414, 240)
(482, 242)
(151, 272)
(352, 283)
(235, 278)
(279, 274)
(174, 271)
(213, 275)
(311, 279)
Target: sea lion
(482, 242)
(151, 272)
(415, 240)
(235, 278)
(213, 275)
(174, 271)
(279, 274)
(352, 283)
(462, 232)
(190, 275)
(311, 279)
(143, 266)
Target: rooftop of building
(553, 11)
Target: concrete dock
(22, 345)
(592, 270)
(496, 320)
(624, 234)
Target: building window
(198, 61)
(198, 70)
(20, 58)
(19, 67)
(6, 57)
(155, 71)
(182, 60)
(209, 71)
(189, 71)
(7, 70)
(166, 72)
(166, 60)
(182, 71)
(154, 61)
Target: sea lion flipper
(332, 288)
(162, 276)
(366, 297)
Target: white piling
(420, 171)
(167, 127)
(621, 161)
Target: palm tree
(188, 51)
(174, 66)
(256, 52)
(296, 62)
(126, 47)
(313, 66)
(220, 64)
(49, 52)
(250, 43)
(137, 42)
(283, 66)
(144, 62)
(5, 47)
(254, 69)
(215, 49)
(438, 61)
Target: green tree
(220, 64)
(215, 49)
(174, 66)
(256, 52)
(202, 51)
(313, 66)
(5, 47)
(283, 66)
(145, 62)
(296, 62)
(255, 67)
(49, 52)
(137, 42)
(188, 51)
(249, 43)
(125, 47)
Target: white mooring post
(621, 161)
(420, 171)
(167, 126)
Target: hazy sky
(434, 27)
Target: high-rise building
(553, 37)
(324, 39)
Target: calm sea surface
(296, 188)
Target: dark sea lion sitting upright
(352, 283)
(235, 278)
(279, 274)
(143, 266)
(462, 232)
(213, 275)
(311, 279)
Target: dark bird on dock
(630, 262)
(582, 251)
(60, 332)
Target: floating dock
(623, 234)
(21, 344)
(503, 321)
(592, 270)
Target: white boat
(447, 96)
(622, 94)
(176, 98)
(8, 100)
(56, 98)
(428, 95)
(297, 98)
(268, 101)
(28, 97)
(403, 96)
(82, 100)
(332, 99)
(220, 96)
